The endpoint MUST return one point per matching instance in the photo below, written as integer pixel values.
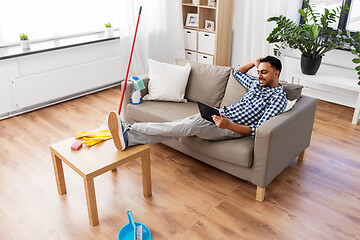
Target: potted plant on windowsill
(314, 38)
(108, 30)
(24, 41)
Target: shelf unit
(204, 45)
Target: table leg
(356, 111)
(91, 201)
(146, 174)
(59, 174)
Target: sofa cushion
(238, 151)
(234, 91)
(167, 81)
(156, 111)
(293, 91)
(206, 82)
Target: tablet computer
(206, 111)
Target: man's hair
(274, 62)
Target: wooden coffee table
(90, 162)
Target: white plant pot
(109, 32)
(25, 44)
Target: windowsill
(52, 45)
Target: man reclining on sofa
(265, 99)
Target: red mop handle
(128, 68)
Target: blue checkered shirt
(258, 105)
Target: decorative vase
(25, 44)
(310, 66)
(109, 32)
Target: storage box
(206, 42)
(190, 39)
(204, 58)
(190, 55)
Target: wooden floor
(318, 198)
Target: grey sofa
(277, 142)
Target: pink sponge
(76, 145)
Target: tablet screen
(207, 111)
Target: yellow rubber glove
(92, 141)
(101, 133)
(92, 138)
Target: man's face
(268, 76)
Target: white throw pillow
(167, 81)
(289, 105)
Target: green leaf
(359, 83)
(356, 60)
(326, 11)
(356, 35)
(357, 68)
(358, 48)
(301, 11)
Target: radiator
(54, 85)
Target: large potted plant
(313, 38)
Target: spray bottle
(136, 94)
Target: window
(354, 16)
(46, 19)
(348, 21)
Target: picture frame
(192, 20)
(212, 3)
(209, 25)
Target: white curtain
(160, 34)
(251, 28)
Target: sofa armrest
(128, 90)
(281, 139)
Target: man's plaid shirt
(258, 105)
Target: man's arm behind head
(247, 66)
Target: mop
(128, 68)
(92, 138)
(133, 230)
